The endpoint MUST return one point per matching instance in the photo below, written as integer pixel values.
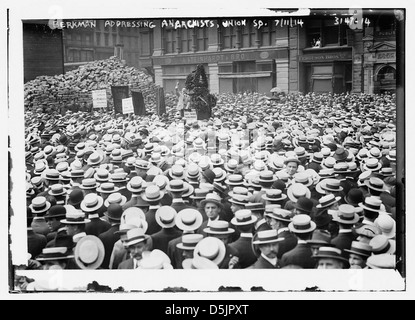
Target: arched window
(386, 73)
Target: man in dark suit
(279, 219)
(346, 217)
(91, 205)
(135, 186)
(110, 237)
(152, 196)
(136, 244)
(52, 218)
(244, 221)
(165, 217)
(268, 243)
(35, 242)
(302, 226)
(220, 229)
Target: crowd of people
(306, 181)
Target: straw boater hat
(219, 227)
(360, 248)
(189, 241)
(381, 261)
(266, 237)
(95, 158)
(303, 178)
(55, 253)
(372, 164)
(328, 185)
(134, 236)
(74, 216)
(375, 183)
(346, 214)
(165, 216)
(235, 180)
(297, 190)
(301, 223)
(189, 219)
(327, 201)
(243, 217)
(115, 197)
(135, 185)
(199, 194)
(278, 213)
(89, 252)
(372, 204)
(332, 253)
(382, 244)
(385, 223)
(176, 172)
(39, 205)
(274, 195)
(107, 187)
(210, 248)
(89, 183)
(199, 263)
(212, 198)
(152, 194)
(91, 202)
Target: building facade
(325, 51)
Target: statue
(197, 89)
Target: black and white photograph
(169, 148)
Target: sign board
(190, 115)
(127, 105)
(119, 93)
(99, 98)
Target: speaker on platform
(119, 93)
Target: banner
(99, 98)
(190, 115)
(127, 106)
(119, 93)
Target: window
(245, 66)
(145, 48)
(228, 37)
(202, 39)
(186, 40)
(268, 34)
(98, 38)
(248, 36)
(114, 39)
(170, 40)
(323, 33)
(387, 73)
(107, 39)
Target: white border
(335, 284)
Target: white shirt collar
(93, 216)
(345, 231)
(209, 221)
(301, 241)
(272, 261)
(154, 207)
(281, 230)
(178, 200)
(78, 236)
(246, 235)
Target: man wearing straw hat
(268, 243)
(302, 226)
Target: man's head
(330, 258)
(268, 243)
